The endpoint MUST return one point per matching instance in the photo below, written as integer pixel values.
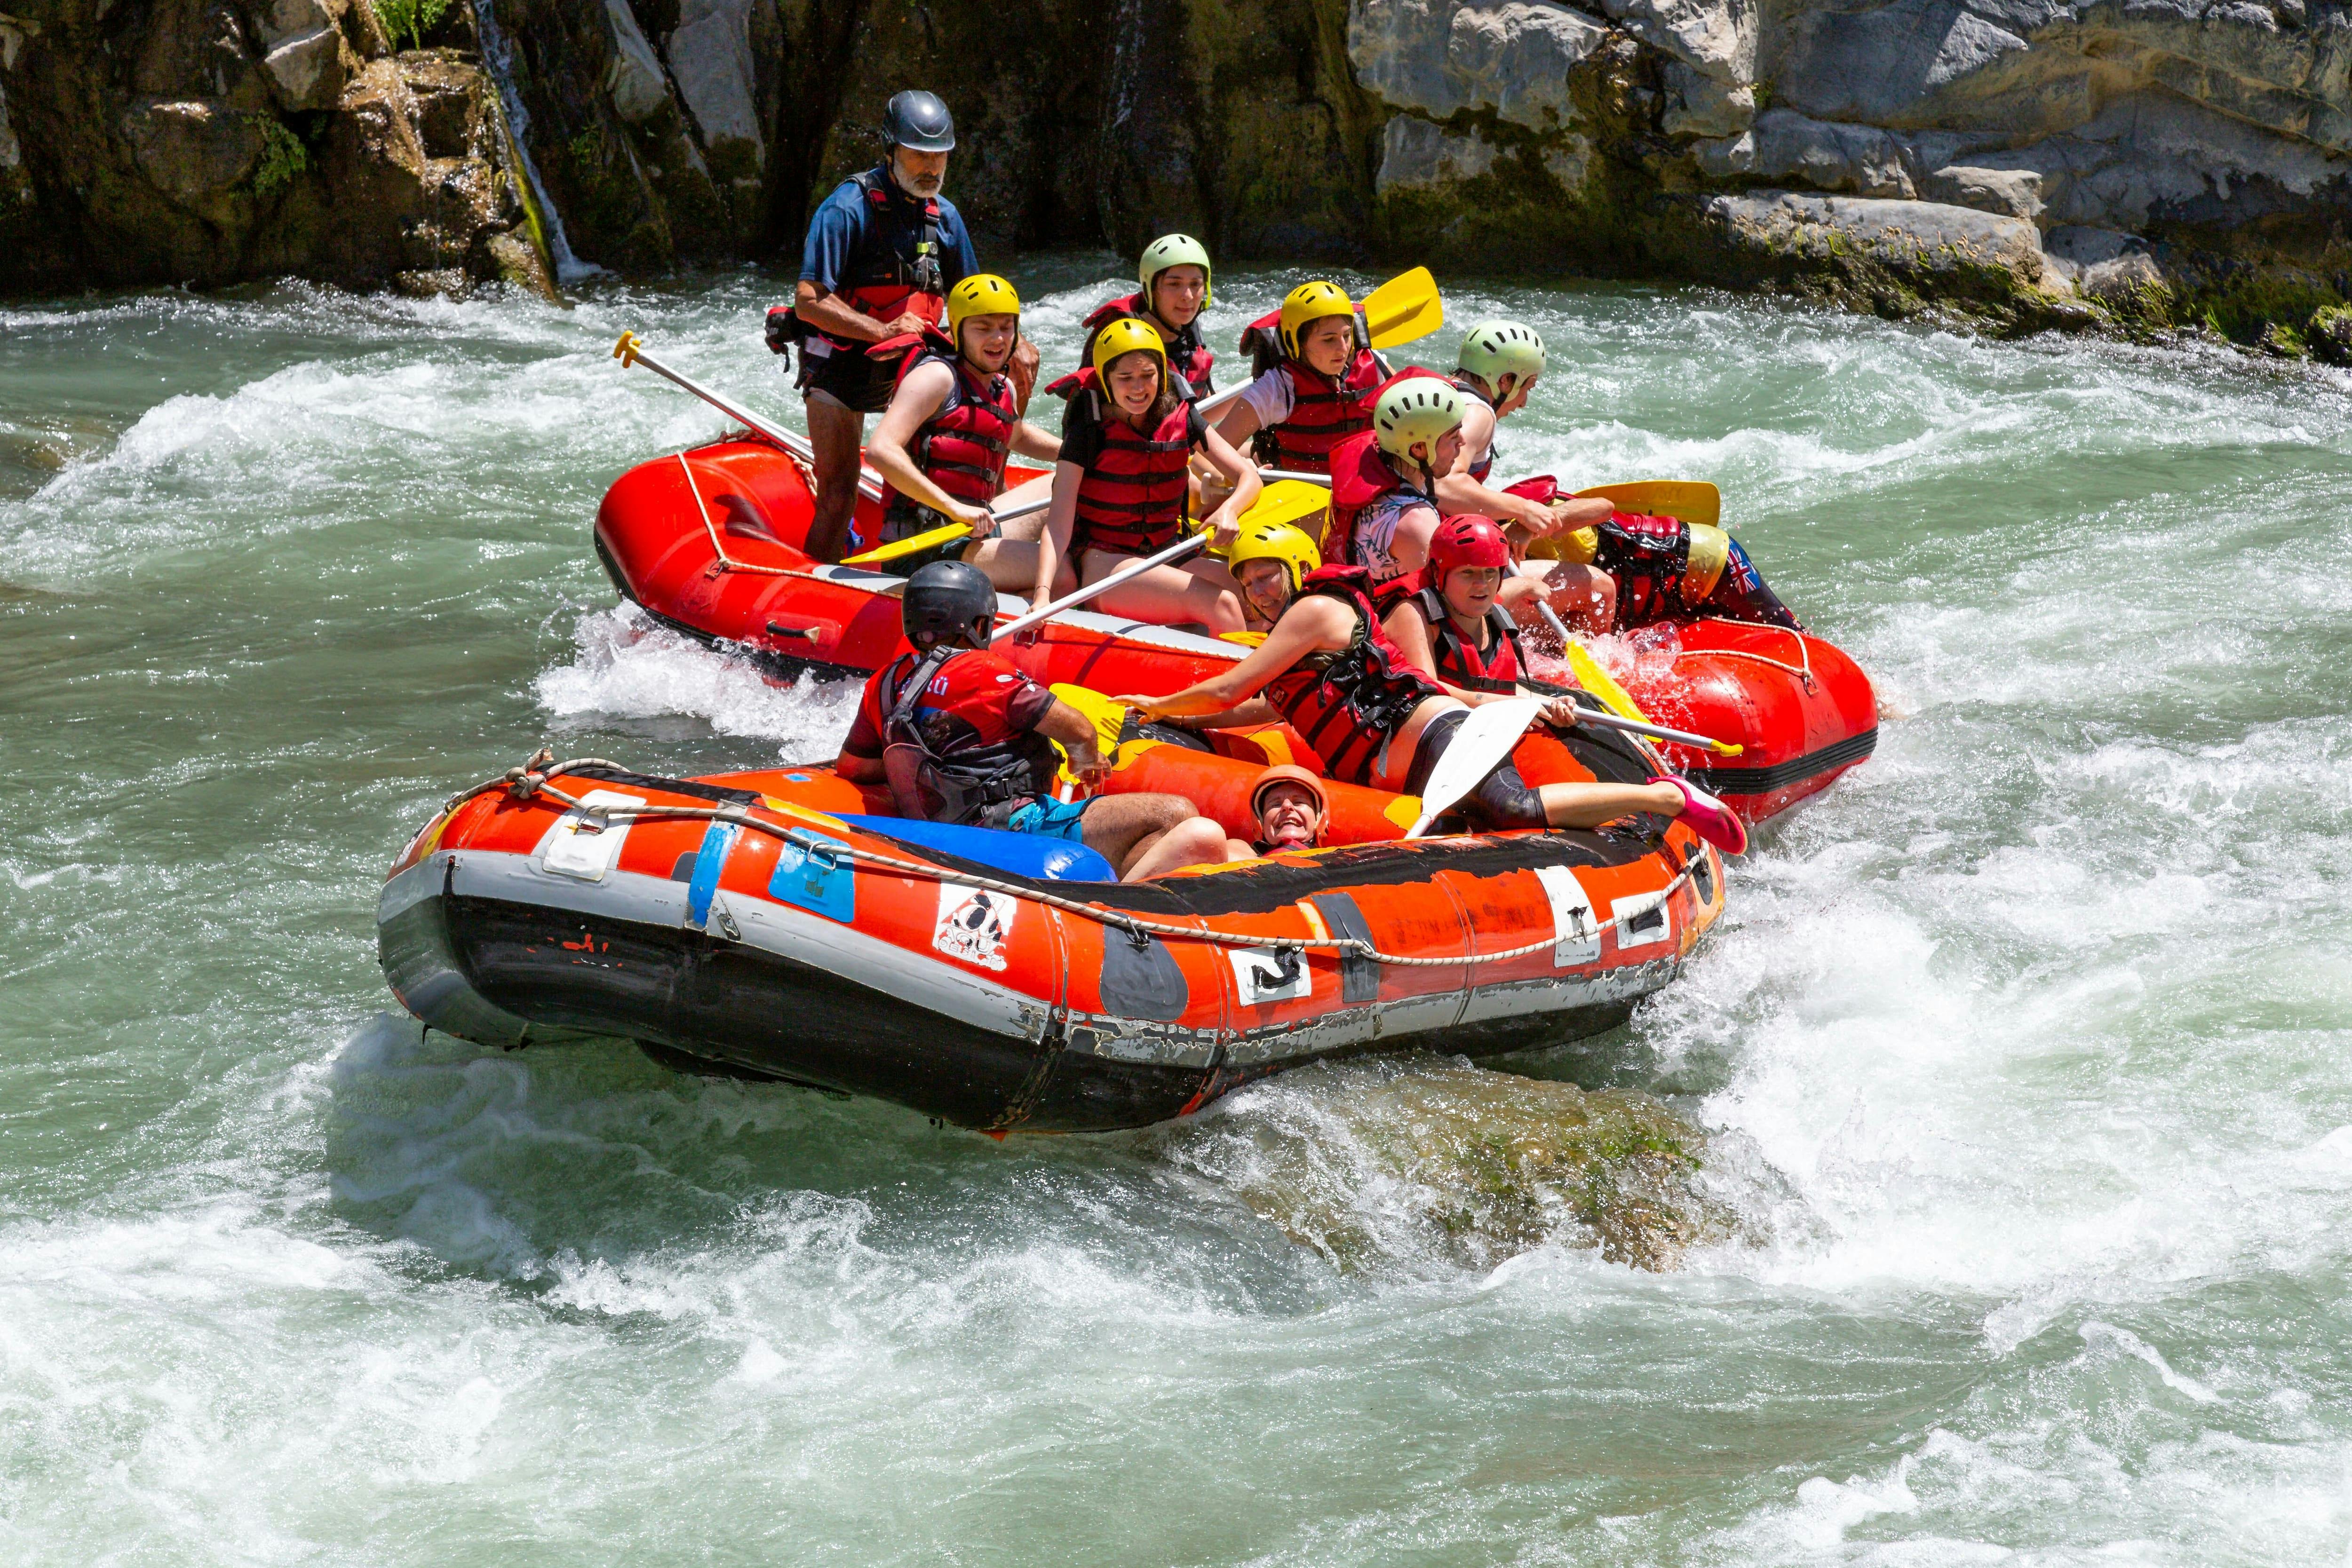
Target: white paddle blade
(1482, 743)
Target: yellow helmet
(1311, 302)
(982, 294)
(1277, 542)
(1125, 335)
(1710, 551)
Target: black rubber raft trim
(1796, 770)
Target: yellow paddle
(1691, 500)
(1284, 501)
(1109, 720)
(1004, 511)
(1688, 501)
(1403, 309)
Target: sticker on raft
(973, 924)
(1577, 941)
(1271, 974)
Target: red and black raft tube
(769, 926)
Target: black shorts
(1502, 798)
(852, 377)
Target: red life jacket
(1347, 705)
(1188, 353)
(1132, 501)
(962, 449)
(885, 283)
(1459, 663)
(950, 747)
(1323, 413)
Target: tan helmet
(1710, 552)
(1416, 410)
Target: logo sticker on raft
(973, 926)
(1271, 974)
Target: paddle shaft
(797, 445)
(1630, 725)
(1167, 556)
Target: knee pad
(1502, 799)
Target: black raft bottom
(700, 1004)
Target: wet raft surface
(2018, 1223)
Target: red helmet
(1466, 540)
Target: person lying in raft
(1290, 809)
(1174, 271)
(1317, 392)
(951, 421)
(1448, 618)
(1496, 370)
(1331, 672)
(961, 736)
(1121, 484)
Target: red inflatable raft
(708, 542)
(768, 924)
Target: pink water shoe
(1709, 818)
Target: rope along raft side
(530, 782)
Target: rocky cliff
(2139, 163)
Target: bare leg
(1198, 590)
(1012, 564)
(835, 432)
(1196, 841)
(1590, 805)
(1123, 828)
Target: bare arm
(819, 306)
(918, 399)
(1075, 731)
(1409, 546)
(1410, 632)
(1313, 622)
(1240, 473)
(1239, 424)
(859, 769)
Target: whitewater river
(2034, 1028)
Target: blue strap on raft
(1032, 855)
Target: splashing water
(2016, 1230)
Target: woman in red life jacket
(1495, 370)
(1330, 672)
(961, 736)
(1318, 393)
(952, 419)
(1272, 562)
(1119, 490)
(1384, 482)
(1448, 618)
(1174, 271)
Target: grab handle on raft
(631, 350)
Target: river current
(2035, 1026)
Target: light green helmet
(1492, 349)
(1173, 250)
(1417, 410)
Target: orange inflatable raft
(770, 924)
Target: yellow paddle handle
(908, 546)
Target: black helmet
(919, 123)
(943, 600)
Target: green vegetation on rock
(410, 19)
(283, 158)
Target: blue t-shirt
(848, 224)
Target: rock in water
(1397, 1165)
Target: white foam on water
(630, 667)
